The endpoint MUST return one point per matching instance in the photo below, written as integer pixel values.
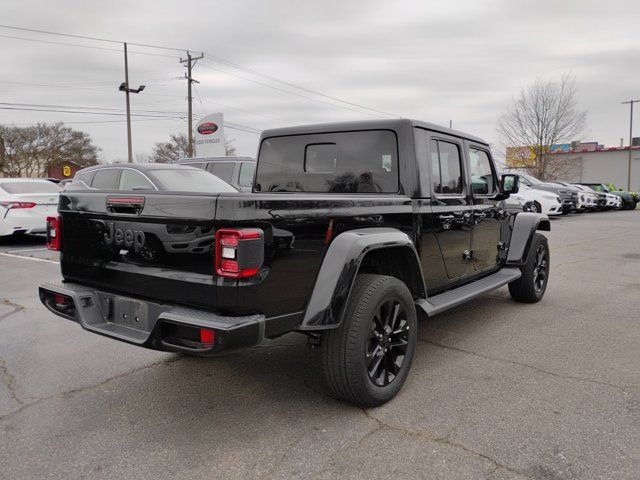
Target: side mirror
(509, 183)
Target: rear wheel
(530, 287)
(367, 359)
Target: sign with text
(209, 136)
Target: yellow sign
(66, 170)
(519, 157)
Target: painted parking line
(4, 254)
(25, 250)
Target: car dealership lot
(497, 390)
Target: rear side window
(132, 180)
(85, 177)
(446, 171)
(482, 178)
(341, 162)
(246, 174)
(189, 180)
(105, 179)
(224, 170)
(195, 165)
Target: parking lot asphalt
(498, 390)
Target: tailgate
(154, 245)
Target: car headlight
(549, 197)
(582, 198)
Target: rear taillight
(239, 252)
(54, 233)
(14, 205)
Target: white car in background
(25, 204)
(542, 201)
(587, 198)
(613, 201)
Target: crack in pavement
(81, 389)
(532, 367)
(9, 381)
(439, 440)
(16, 308)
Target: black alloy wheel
(367, 358)
(530, 287)
(540, 268)
(387, 343)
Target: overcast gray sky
(435, 61)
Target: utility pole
(630, 102)
(124, 87)
(190, 63)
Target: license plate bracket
(130, 313)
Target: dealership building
(592, 162)
(606, 165)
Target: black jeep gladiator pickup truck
(351, 232)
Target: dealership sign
(209, 136)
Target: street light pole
(630, 102)
(124, 87)
(126, 81)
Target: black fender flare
(524, 226)
(339, 268)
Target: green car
(629, 199)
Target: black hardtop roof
(216, 159)
(392, 124)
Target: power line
(85, 37)
(228, 63)
(93, 121)
(167, 116)
(286, 91)
(93, 47)
(147, 94)
(83, 107)
(284, 82)
(53, 110)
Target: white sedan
(543, 201)
(25, 204)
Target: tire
(535, 208)
(530, 287)
(352, 350)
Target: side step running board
(439, 303)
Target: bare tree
(176, 148)
(544, 114)
(30, 151)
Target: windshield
(530, 179)
(190, 180)
(30, 187)
(597, 187)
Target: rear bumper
(151, 325)
(20, 221)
